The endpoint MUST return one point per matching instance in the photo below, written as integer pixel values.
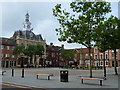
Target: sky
(43, 22)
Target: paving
(54, 82)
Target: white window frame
(8, 47)
(2, 46)
(13, 56)
(7, 55)
(95, 56)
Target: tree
(109, 38)
(31, 50)
(34, 49)
(81, 26)
(102, 41)
(20, 51)
(68, 54)
(114, 39)
(102, 47)
(39, 50)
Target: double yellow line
(13, 85)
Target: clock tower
(27, 24)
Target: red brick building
(97, 57)
(82, 56)
(6, 47)
(53, 56)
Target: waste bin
(64, 75)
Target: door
(7, 64)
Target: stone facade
(26, 36)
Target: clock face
(31, 34)
(28, 26)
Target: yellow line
(14, 85)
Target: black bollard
(22, 73)
(12, 72)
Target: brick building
(97, 57)
(82, 56)
(26, 36)
(53, 56)
(6, 47)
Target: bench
(2, 72)
(93, 78)
(44, 75)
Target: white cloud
(47, 29)
(41, 17)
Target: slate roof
(28, 34)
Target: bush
(80, 67)
(96, 67)
(65, 66)
(86, 67)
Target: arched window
(106, 56)
(101, 56)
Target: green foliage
(114, 39)
(29, 50)
(19, 49)
(68, 54)
(108, 36)
(66, 66)
(39, 50)
(81, 26)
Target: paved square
(74, 79)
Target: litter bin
(64, 75)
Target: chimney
(62, 46)
(51, 44)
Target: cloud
(43, 22)
(47, 29)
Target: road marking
(19, 86)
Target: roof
(7, 41)
(28, 34)
(53, 48)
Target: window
(8, 47)
(96, 57)
(13, 48)
(96, 50)
(101, 57)
(13, 56)
(2, 55)
(101, 63)
(2, 46)
(106, 63)
(87, 57)
(7, 55)
(106, 56)
(53, 54)
(113, 55)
